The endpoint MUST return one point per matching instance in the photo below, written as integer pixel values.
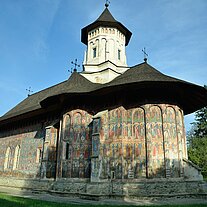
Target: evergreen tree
(197, 140)
(201, 123)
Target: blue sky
(40, 38)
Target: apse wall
(148, 141)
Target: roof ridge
(101, 71)
(76, 75)
(46, 89)
(141, 73)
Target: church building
(111, 129)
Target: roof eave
(118, 25)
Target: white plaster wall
(108, 63)
(103, 73)
(101, 77)
(107, 42)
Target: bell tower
(105, 56)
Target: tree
(201, 123)
(197, 152)
(197, 140)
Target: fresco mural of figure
(111, 125)
(77, 125)
(96, 126)
(129, 124)
(111, 131)
(181, 136)
(75, 169)
(95, 146)
(125, 168)
(118, 169)
(129, 130)
(138, 123)
(81, 170)
(171, 142)
(118, 122)
(124, 125)
(136, 131)
(126, 139)
(104, 150)
(130, 170)
(120, 150)
(103, 174)
(155, 156)
(67, 127)
(78, 146)
(139, 169)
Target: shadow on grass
(12, 201)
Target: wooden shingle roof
(189, 96)
(141, 77)
(142, 73)
(75, 84)
(106, 20)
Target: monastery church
(109, 130)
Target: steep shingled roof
(105, 19)
(75, 84)
(190, 96)
(142, 73)
(106, 16)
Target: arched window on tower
(94, 52)
(16, 157)
(119, 54)
(7, 158)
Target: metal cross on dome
(75, 65)
(29, 91)
(107, 3)
(145, 54)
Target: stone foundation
(31, 184)
(154, 188)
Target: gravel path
(126, 201)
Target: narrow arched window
(7, 158)
(94, 52)
(68, 151)
(119, 54)
(16, 157)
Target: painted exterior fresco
(154, 136)
(49, 159)
(171, 143)
(143, 142)
(182, 151)
(18, 150)
(77, 145)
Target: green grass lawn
(11, 201)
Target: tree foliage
(201, 123)
(197, 140)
